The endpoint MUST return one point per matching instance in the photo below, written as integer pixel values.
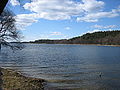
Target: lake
(74, 67)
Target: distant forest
(102, 37)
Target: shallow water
(77, 67)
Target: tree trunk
(0, 46)
(3, 3)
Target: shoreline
(13, 80)
(80, 44)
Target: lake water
(76, 67)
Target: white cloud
(86, 10)
(95, 11)
(14, 2)
(92, 31)
(55, 9)
(104, 27)
(67, 28)
(94, 17)
(24, 20)
(92, 5)
(56, 33)
(63, 9)
(96, 30)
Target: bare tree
(8, 31)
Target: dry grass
(12, 80)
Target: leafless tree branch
(8, 31)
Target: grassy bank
(12, 80)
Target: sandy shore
(12, 80)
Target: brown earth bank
(12, 80)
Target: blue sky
(63, 19)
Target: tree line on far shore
(101, 37)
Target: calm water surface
(77, 67)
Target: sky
(64, 19)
